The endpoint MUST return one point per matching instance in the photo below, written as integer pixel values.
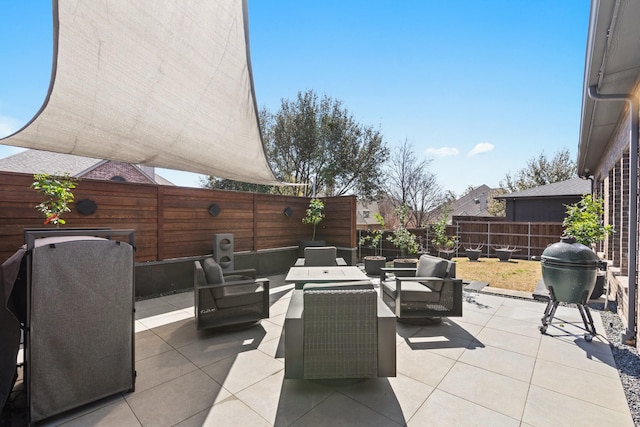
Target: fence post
(529, 241)
(488, 237)
(458, 237)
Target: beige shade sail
(159, 83)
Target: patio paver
(492, 367)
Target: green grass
(518, 275)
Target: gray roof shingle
(572, 187)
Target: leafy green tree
(402, 238)
(315, 140)
(216, 183)
(541, 171)
(314, 214)
(57, 189)
(583, 220)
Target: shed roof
(571, 187)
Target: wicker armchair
(339, 330)
(233, 298)
(431, 290)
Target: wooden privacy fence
(174, 222)
(529, 238)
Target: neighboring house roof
(572, 187)
(38, 161)
(612, 67)
(473, 203)
(365, 212)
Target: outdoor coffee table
(302, 275)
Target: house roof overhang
(612, 65)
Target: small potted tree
(445, 245)
(57, 190)
(473, 251)
(583, 222)
(404, 240)
(504, 252)
(314, 216)
(373, 263)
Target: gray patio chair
(430, 290)
(339, 330)
(233, 298)
(320, 256)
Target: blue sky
(479, 87)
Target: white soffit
(160, 83)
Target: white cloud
(483, 147)
(443, 151)
(8, 126)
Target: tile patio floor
(492, 367)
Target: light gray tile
(422, 365)
(397, 398)
(508, 341)
(494, 391)
(514, 326)
(549, 408)
(116, 414)
(339, 410)
(281, 401)
(233, 413)
(149, 344)
(475, 317)
(505, 362)
(161, 368)
(176, 400)
(445, 410)
(244, 369)
(180, 300)
(213, 348)
(601, 390)
(594, 357)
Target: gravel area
(626, 357)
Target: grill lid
(567, 252)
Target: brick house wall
(111, 169)
(612, 184)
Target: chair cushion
(213, 274)
(320, 256)
(238, 295)
(411, 292)
(430, 266)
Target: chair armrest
(246, 273)
(341, 262)
(386, 270)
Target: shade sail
(159, 83)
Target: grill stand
(550, 311)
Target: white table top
(325, 274)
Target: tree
(316, 140)
(409, 182)
(213, 182)
(541, 171)
(494, 206)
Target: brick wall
(110, 169)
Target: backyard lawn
(518, 275)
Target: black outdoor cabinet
(79, 328)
